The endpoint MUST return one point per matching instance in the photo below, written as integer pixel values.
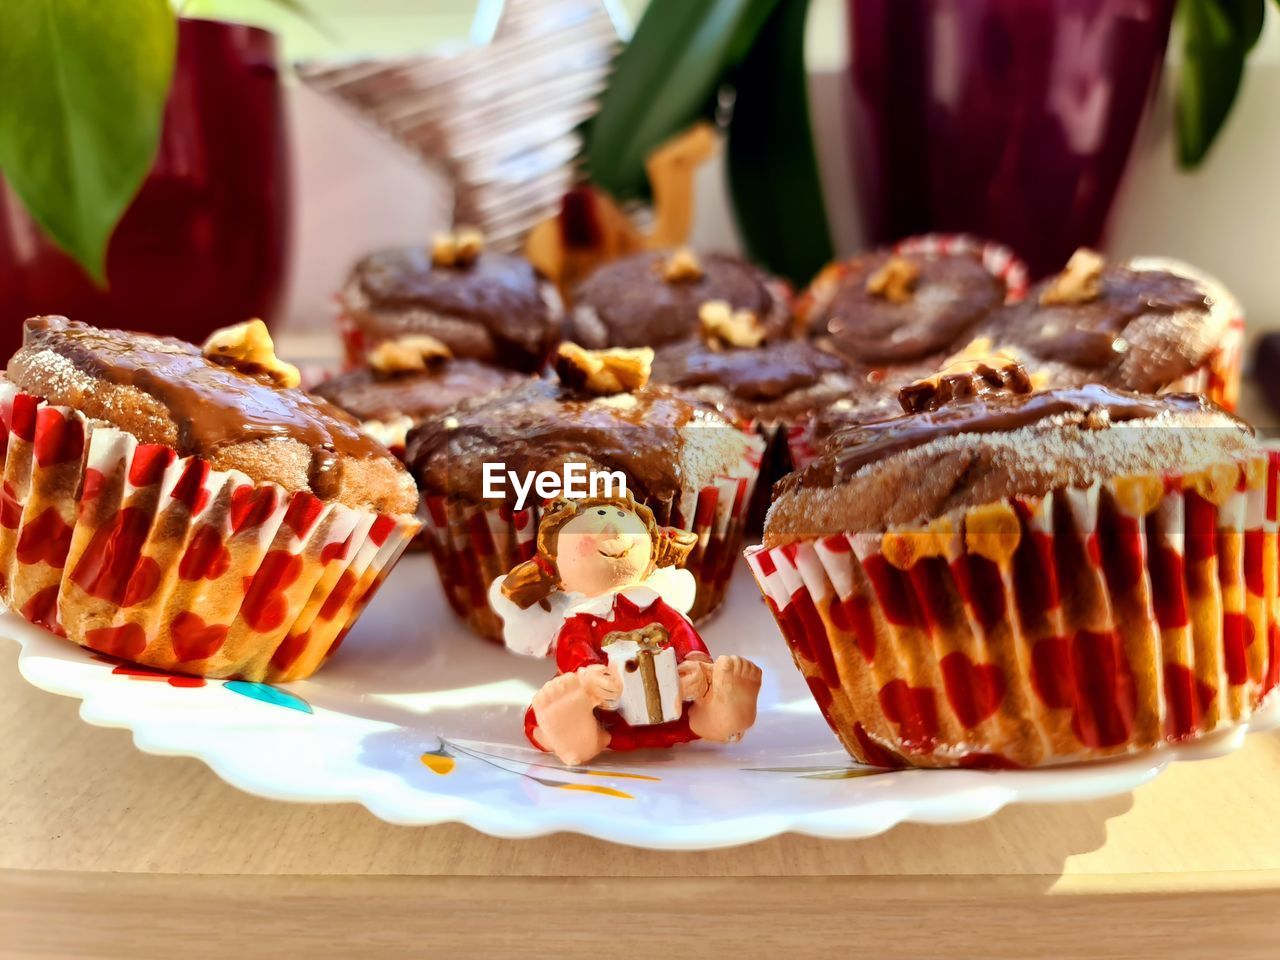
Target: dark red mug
(206, 241)
(1012, 119)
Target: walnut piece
(981, 350)
(682, 266)
(895, 281)
(1080, 282)
(603, 372)
(967, 379)
(722, 326)
(408, 354)
(461, 248)
(248, 347)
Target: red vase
(205, 242)
(1012, 119)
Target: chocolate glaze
(211, 405)
(540, 425)
(500, 294)
(753, 375)
(630, 304)
(371, 396)
(1095, 335)
(874, 396)
(853, 448)
(951, 294)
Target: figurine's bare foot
(728, 709)
(564, 712)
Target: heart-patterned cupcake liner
(1083, 624)
(137, 552)
(473, 545)
(1218, 378)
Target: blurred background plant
(742, 62)
(144, 167)
(77, 142)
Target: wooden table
(105, 851)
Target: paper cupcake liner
(1088, 623)
(775, 463)
(474, 545)
(129, 549)
(355, 348)
(800, 445)
(1218, 378)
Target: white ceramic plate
(422, 723)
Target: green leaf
(1216, 36)
(1247, 17)
(773, 170)
(664, 81)
(84, 87)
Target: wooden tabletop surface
(106, 851)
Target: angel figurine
(606, 596)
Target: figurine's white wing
(675, 586)
(531, 632)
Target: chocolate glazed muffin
(1013, 579)
(1149, 326)
(189, 510)
(771, 387)
(888, 308)
(481, 305)
(767, 384)
(651, 299)
(682, 459)
(401, 387)
(162, 390)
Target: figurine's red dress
(578, 645)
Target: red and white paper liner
(1218, 377)
(355, 347)
(998, 259)
(1088, 623)
(474, 545)
(800, 444)
(129, 549)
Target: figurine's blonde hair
(536, 579)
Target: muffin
(1010, 578)
(912, 304)
(654, 298)
(481, 305)
(408, 380)
(773, 388)
(189, 511)
(1145, 325)
(684, 460)
(874, 396)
